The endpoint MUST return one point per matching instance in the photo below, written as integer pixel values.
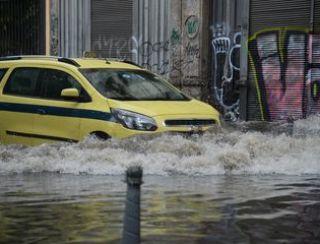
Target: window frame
(4, 70)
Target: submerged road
(246, 183)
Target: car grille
(189, 122)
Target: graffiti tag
(226, 49)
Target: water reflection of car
(45, 99)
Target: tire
(100, 135)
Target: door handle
(41, 111)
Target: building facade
(252, 59)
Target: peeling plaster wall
(188, 46)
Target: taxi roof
(76, 62)
(105, 63)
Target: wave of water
(244, 148)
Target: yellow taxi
(49, 99)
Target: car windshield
(131, 85)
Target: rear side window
(2, 72)
(22, 82)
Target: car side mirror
(70, 93)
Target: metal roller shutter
(278, 13)
(278, 59)
(316, 18)
(314, 40)
(112, 27)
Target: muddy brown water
(245, 183)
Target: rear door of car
(17, 96)
(32, 109)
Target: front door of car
(57, 118)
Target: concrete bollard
(131, 225)
(290, 122)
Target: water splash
(244, 148)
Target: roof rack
(132, 63)
(8, 58)
(59, 59)
(69, 61)
(108, 60)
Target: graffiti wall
(198, 46)
(225, 43)
(226, 67)
(179, 40)
(137, 50)
(190, 65)
(285, 64)
(162, 57)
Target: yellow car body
(32, 115)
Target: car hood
(160, 108)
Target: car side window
(22, 82)
(42, 83)
(52, 82)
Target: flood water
(247, 183)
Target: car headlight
(133, 120)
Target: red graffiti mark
(281, 71)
